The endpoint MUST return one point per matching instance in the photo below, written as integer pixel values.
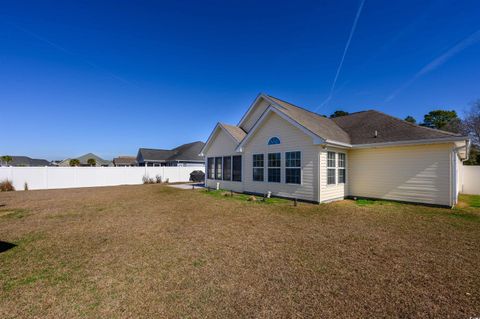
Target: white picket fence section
(71, 177)
(470, 180)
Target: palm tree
(74, 162)
(92, 162)
(7, 159)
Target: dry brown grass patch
(154, 251)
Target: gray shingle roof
(361, 127)
(314, 122)
(125, 160)
(185, 152)
(27, 161)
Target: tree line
(448, 120)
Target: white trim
(301, 167)
(210, 138)
(413, 142)
(259, 96)
(316, 139)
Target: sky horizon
(109, 77)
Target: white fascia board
(316, 139)
(412, 142)
(259, 96)
(210, 138)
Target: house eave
(412, 142)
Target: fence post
(46, 176)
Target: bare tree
(471, 123)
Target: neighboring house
(281, 148)
(25, 161)
(183, 155)
(84, 160)
(125, 161)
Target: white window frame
(274, 167)
(344, 167)
(332, 167)
(300, 167)
(262, 167)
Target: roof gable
(236, 133)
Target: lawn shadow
(4, 246)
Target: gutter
(413, 142)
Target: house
(291, 152)
(124, 161)
(183, 155)
(25, 161)
(99, 162)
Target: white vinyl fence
(70, 177)
(470, 180)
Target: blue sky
(111, 76)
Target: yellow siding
(331, 192)
(222, 145)
(415, 173)
(292, 139)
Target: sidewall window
(331, 168)
(210, 168)
(237, 168)
(218, 167)
(342, 172)
(293, 164)
(274, 170)
(227, 168)
(258, 167)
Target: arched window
(274, 141)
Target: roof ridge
(302, 108)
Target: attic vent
(375, 134)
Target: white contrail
(439, 61)
(347, 45)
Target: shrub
(92, 162)
(158, 179)
(6, 186)
(148, 180)
(197, 176)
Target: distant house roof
(185, 152)
(84, 158)
(27, 161)
(125, 160)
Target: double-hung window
(342, 178)
(331, 168)
(218, 167)
(210, 168)
(237, 168)
(274, 163)
(293, 172)
(227, 168)
(258, 164)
